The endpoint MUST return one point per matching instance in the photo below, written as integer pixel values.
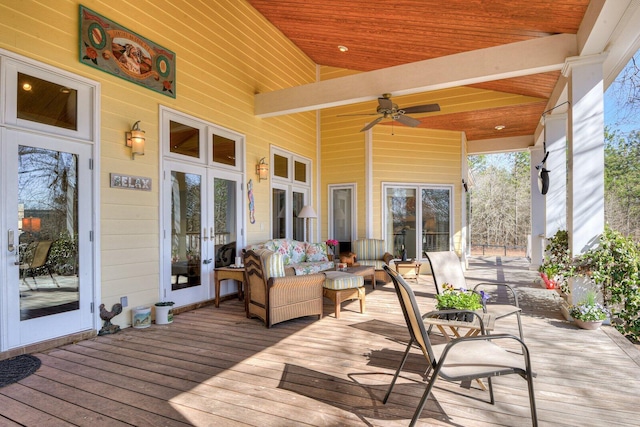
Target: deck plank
(216, 367)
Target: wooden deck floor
(216, 367)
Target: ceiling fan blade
(406, 120)
(352, 115)
(372, 124)
(427, 108)
(385, 103)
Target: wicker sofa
(274, 297)
(299, 258)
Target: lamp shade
(307, 212)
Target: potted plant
(164, 312)
(460, 299)
(589, 314)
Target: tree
(500, 199)
(622, 182)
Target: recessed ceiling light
(26, 87)
(342, 48)
(500, 127)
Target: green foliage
(615, 266)
(63, 256)
(461, 299)
(558, 265)
(589, 310)
(622, 181)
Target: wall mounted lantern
(135, 140)
(262, 170)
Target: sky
(614, 110)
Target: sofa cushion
(312, 267)
(339, 280)
(271, 262)
(292, 251)
(369, 249)
(317, 252)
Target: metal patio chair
(446, 268)
(462, 359)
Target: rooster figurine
(108, 327)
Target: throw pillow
(317, 252)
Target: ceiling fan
(387, 109)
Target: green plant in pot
(589, 314)
(460, 299)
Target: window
(418, 219)
(290, 191)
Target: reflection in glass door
(48, 232)
(49, 254)
(185, 230)
(225, 220)
(341, 216)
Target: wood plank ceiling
(385, 34)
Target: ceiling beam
(500, 145)
(500, 62)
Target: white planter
(164, 314)
(141, 317)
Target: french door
(202, 218)
(48, 254)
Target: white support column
(555, 136)
(585, 219)
(537, 212)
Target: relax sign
(131, 182)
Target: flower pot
(593, 325)
(164, 314)
(141, 317)
(460, 317)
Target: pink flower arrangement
(332, 242)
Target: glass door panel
(279, 213)
(435, 220)
(342, 218)
(298, 223)
(49, 257)
(225, 221)
(48, 231)
(186, 221)
(401, 221)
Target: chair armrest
(387, 257)
(296, 281)
(498, 285)
(525, 349)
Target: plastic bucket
(164, 314)
(141, 317)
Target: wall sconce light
(135, 140)
(262, 170)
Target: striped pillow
(271, 262)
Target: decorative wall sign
(112, 48)
(131, 182)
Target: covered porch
(216, 367)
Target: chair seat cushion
(377, 264)
(340, 280)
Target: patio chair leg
(491, 398)
(425, 397)
(395, 377)
(532, 402)
(520, 326)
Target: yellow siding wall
(226, 52)
(417, 156)
(407, 156)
